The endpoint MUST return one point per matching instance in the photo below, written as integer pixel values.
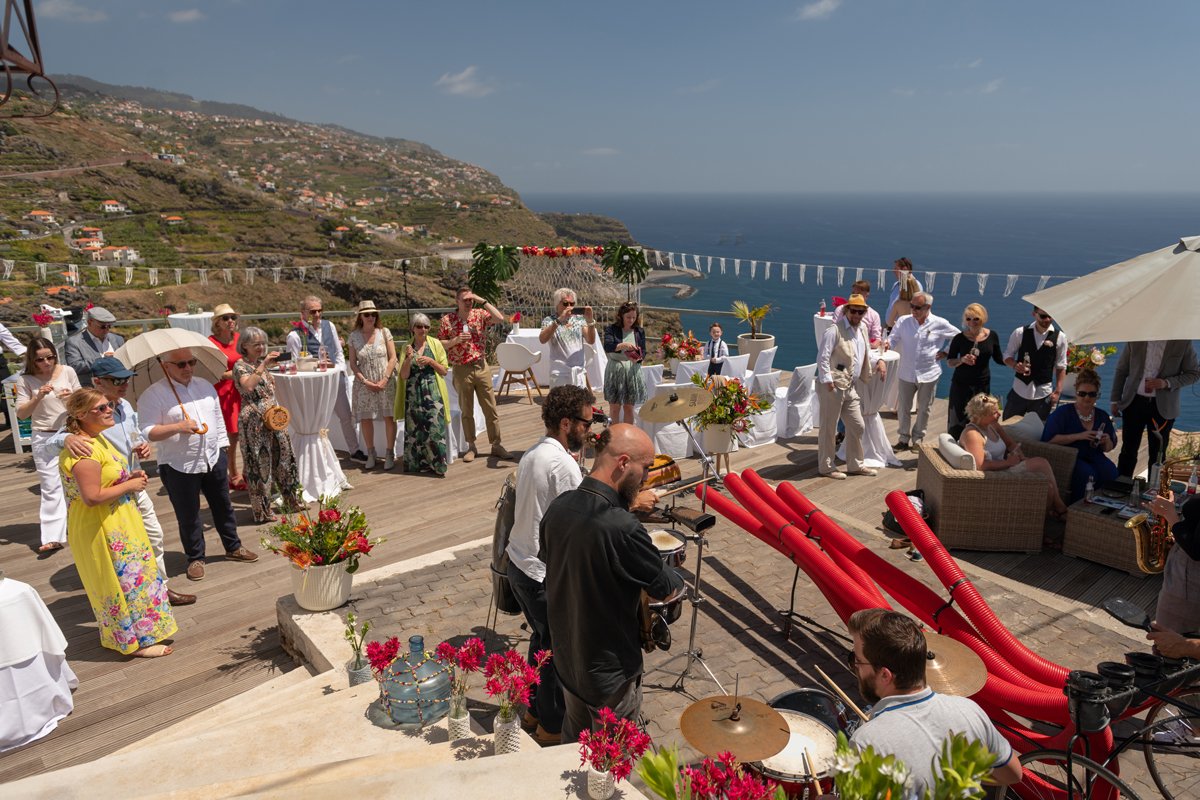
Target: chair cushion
(1027, 429)
(954, 454)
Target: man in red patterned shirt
(462, 332)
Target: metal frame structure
(15, 63)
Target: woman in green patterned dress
(423, 403)
(625, 343)
(267, 456)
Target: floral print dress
(426, 438)
(267, 456)
(114, 559)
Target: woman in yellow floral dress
(108, 540)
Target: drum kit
(793, 739)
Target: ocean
(1028, 235)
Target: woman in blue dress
(1087, 428)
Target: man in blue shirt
(111, 377)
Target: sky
(695, 96)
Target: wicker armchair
(975, 510)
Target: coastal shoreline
(667, 279)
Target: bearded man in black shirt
(598, 560)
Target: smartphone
(285, 356)
(577, 312)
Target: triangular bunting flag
(1042, 281)
(1008, 287)
(982, 278)
(955, 278)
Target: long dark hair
(624, 309)
(36, 343)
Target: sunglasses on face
(586, 421)
(44, 359)
(104, 325)
(568, 303)
(856, 311)
(1042, 315)
(369, 314)
(103, 408)
(114, 381)
(1081, 393)
(229, 318)
(191, 362)
(420, 327)
(853, 663)
(974, 319)
(316, 311)
(919, 308)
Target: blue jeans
(547, 702)
(184, 489)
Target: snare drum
(820, 705)
(809, 735)
(670, 547)
(664, 614)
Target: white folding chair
(766, 423)
(766, 360)
(689, 368)
(797, 403)
(736, 367)
(517, 361)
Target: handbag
(276, 418)
(892, 524)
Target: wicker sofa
(1002, 511)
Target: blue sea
(1028, 235)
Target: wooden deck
(228, 642)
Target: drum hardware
(749, 729)
(790, 613)
(952, 667)
(838, 691)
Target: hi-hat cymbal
(747, 728)
(952, 667)
(672, 405)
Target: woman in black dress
(969, 354)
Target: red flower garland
(563, 252)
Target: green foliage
(751, 316)
(626, 264)
(867, 775)
(660, 772)
(962, 766)
(491, 265)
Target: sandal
(50, 547)
(153, 651)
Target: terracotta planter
(320, 588)
(749, 345)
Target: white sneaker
(389, 461)
(370, 460)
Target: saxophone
(1153, 540)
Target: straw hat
(856, 301)
(224, 309)
(365, 306)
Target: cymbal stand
(710, 467)
(693, 654)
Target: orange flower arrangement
(333, 537)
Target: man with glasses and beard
(183, 415)
(1038, 355)
(598, 560)
(908, 719)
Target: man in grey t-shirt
(909, 720)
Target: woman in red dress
(225, 336)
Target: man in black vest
(1038, 354)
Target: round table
(201, 323)
(877, 450)
(35, 679)
(820, 325)
(310, 397)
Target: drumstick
(840, 693)
(810, 764)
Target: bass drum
(820, 705)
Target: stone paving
(745, 583)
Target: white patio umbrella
(142, 352)
(1153, 297)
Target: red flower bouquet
(510, 677)
(465, 660)
(335, 536)
(43, 319)
(614, 747)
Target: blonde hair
(975, 310)
(978, 405)
(79, 403)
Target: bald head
(625, 461)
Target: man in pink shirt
(871, 320)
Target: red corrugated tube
(968, 597)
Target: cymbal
(758, 732)
(675, 404)
(953, 668)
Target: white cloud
(821, 9)
(974, 64)
(464, 83)
(991, 87)
(186, 15)
(700, 88)
(600, 152)
(70, 11)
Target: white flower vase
(601, 785)
(46, 333)
(358, 672)
(718, 439)
(458, 721)
(321, 587)
(506, 733)
(673, 363)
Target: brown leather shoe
(178, 599)
(499, 452)
(195, 571)
(529, 723)
(242, 554)
(469, 456)
(545, 738)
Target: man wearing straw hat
(842, 359)
(182, 414)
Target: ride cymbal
(749, 729)
(952, 667)
(672, 405)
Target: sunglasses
(316, 311)
(974, 319)
(853, 663)
(114, 381)
(918, 308)
(417, 327)
(44, 359)
(585, 421)
(568, 302)
(104, 325)
(1081, 393)
(1044, 316)
(369, 314)
(856, 311)
(229, 318)
(103, 408)
(191, 362)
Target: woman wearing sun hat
(225, 337)
(373, 362)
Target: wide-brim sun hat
(223, 310)
(364, 306)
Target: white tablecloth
(35, 679)
(820, 324)
(594, 359)
(877, 450)
(310, 397)
(200, 323)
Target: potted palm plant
(755, 341)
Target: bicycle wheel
(1171, 743)
(1046, 778)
